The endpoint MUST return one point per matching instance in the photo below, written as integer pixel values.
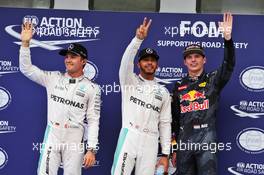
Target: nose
(193, 58)
(149, 62)
(67, 58)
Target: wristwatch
(93, 150)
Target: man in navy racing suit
(195, 101)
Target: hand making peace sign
(142, 30)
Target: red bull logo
(192, 97)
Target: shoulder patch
(180, 88)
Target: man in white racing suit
(146, 112)
(72, 98)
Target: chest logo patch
(193, 101)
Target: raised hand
(226, 25)
(142, 30)
(26, 34)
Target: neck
(75, 74)
(147, 77)
(195, 73)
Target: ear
(204, 60)
(157, 65)
(138, 65)
(184, 62)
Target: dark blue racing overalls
(194, 106)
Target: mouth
(194, 65)
(69, 64)
(149, 67)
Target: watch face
(92, 150)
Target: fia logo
(31, 19)
(3, 158)
(90, 70)
(5, 98)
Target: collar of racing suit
(147, 81)
(74, 80)
(196, 77)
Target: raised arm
(127, 63)
(225, 70)
(25, 65)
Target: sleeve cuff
(164, 155)
(24, 49)
(137, 41)
(228, 41)
(166, 151)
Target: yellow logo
(203, 84)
